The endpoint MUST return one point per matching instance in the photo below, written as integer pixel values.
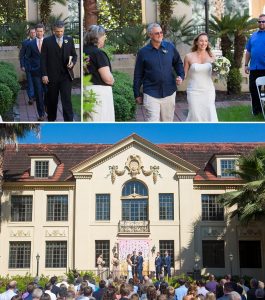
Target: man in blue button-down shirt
(256, 56)
(154, 69)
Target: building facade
(66, 204)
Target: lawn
(76, 101)
(241, 113)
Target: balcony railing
(132, 227)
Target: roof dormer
(224, 163)
(43, 166)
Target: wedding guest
(200, 88)
(115, 266)
(100, 264)
(255, 63)
(24, 65)
(100, 68)
(154, 68)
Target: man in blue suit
(158, 265)
(33, 54)
(167, 264)
(24, 65)
(139, 267)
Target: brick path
(23, 112)
(181, 109)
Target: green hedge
(11, 82)
(124, 102)
(6, 100)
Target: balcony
(134, 227)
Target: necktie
(39, 45)
(60, 43)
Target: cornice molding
(83, 175)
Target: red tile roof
(17, 163)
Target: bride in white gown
(200, 88)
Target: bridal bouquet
(221, 67)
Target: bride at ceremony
(200, 87)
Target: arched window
(134, 201)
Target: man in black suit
(134, 263)
(58, 57)
(158, 265)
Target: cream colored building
(68, 203)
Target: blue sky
(156, 133)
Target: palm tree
(45, 7)
(91, 12)
(9, 133)
(233, 31)
(250, 199)
(166, 10)
(180, 30)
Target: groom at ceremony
(58, 57)
(154, 69)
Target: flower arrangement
(221, 67)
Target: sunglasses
(261, 22)
(158, 33)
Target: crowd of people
(85, 288)
(159, 70)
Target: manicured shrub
(124, 102)
(6, 101)
(12, 83)
(9, 72)
(7, 66)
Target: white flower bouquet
(221, 67)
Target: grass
(76, 102)
(241, 113)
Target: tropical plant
(233, 31)
(11, 11)
(166, 10)
(45, 8)
(250, 198)
(130, 39)
(180, 30)
(16, 33)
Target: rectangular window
(56, 254)
(135, 210)
(211, 209)
(57, 208)
(21, 208)
(226, 166)
(19, 255)
(213, 254)
(42, 169)
(102, 207)
(167, 245)
(103, 247)
(166, 206)
(250, 254)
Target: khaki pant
(159, 109)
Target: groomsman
(140, 262)
(158, 265)
(134, 263)
(167, 265)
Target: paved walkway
(23, 112)
(181, 109)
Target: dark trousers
(158, 272)
(64, 87)
(30, 88)
(167, 271)
(256, 107)
(140, 274)
(39, 94)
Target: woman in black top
(100, 68)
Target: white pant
(159, 109)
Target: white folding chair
(260, 81)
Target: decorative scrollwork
(115, 172)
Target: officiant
(58, 57)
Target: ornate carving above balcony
(134, 166)
(134, 227)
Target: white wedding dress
(201, 94)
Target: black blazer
(51, 61)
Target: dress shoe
(41, 119)
(30, 102)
